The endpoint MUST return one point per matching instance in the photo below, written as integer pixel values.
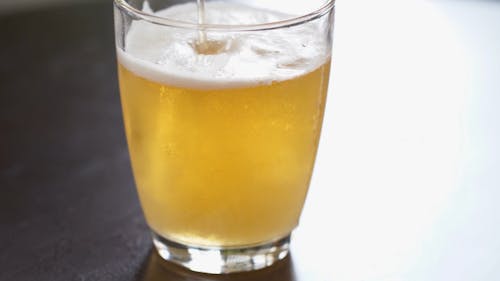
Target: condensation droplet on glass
(167, 148)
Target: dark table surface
(396, 195)
(68, 206)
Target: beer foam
(167, 55)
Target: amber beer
(223, 166)
(223, 132)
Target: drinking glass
(223, 110)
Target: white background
(407, 179)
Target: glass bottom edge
(222, 260)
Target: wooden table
(407, 181)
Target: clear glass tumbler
(223, 103)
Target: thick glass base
(222, 260)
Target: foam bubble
(168, 55)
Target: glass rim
(138, 14)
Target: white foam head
(166, 54)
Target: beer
(222, 142)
